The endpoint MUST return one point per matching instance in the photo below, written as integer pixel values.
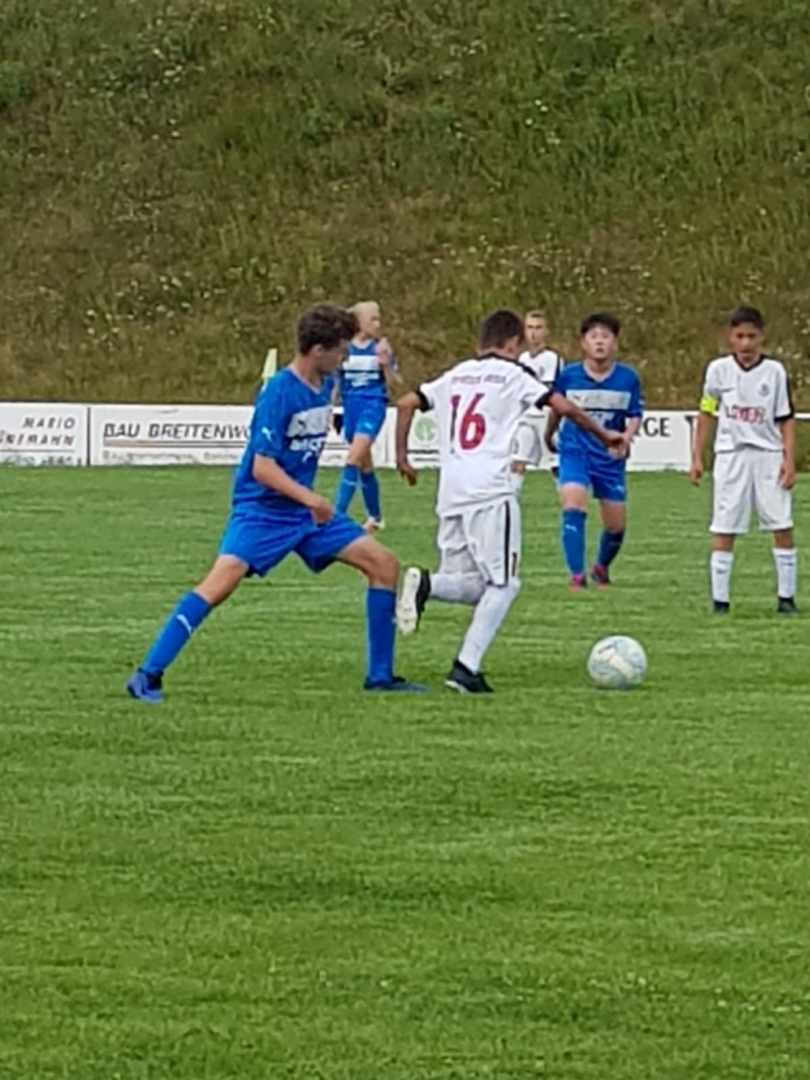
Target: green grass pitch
(276, 877)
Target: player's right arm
(407, 406)
(567, 410)
(553, 418)
(269, 473)
(421, 400)
(549, 435)
(709, 404)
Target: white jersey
(478, 404)
(749, 403)
(546, 365)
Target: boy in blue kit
(366, 375)
(611, 392)
(275, 510)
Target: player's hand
(616, 443)
(787, 475)
(696, 472)
(407, 472)
(384, 352)
(320, 508)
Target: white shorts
(745, 480)
(482, 539)
(528, 444)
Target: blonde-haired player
(367, 374)
(747, 392)
(546, 364)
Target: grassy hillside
(179, 177)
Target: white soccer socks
(487, 619)
(721, 564)
(786, 572)
(785, 559)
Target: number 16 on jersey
(468, 427)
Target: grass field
(274, 876)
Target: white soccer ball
(617, 663)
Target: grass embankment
(177, 180)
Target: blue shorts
(263, 541)
(363, 416)
(606, 478)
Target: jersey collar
(599, 378)
(750, 367)
(492, 355)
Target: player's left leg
(774, 506)
(343, 540)
(610, 488)
(370, 425)
(350, 476)
(787, 570)
(362, 429)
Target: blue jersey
(363, 375)
(290, 424)
(611, 401)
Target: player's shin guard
(175, 635)
(380, 611)
(610, 545)
(573, 540)
(346, 488)
(786, 572)
(721, 564)
(371, 494)
(487, 620)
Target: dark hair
(600, 318)
(744, 314)
(326, 325)
(499, 327)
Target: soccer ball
(617, 663)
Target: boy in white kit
(546, 364)
(748, 394)
(477, 405)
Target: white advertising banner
(168, 434)
(43, 434)
(423, 441)
(664, 442)
(63, 434)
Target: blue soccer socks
(381, 629)
(371, 494)
(347, 487)
(175, 635)
(573, 540)
(609, 547)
